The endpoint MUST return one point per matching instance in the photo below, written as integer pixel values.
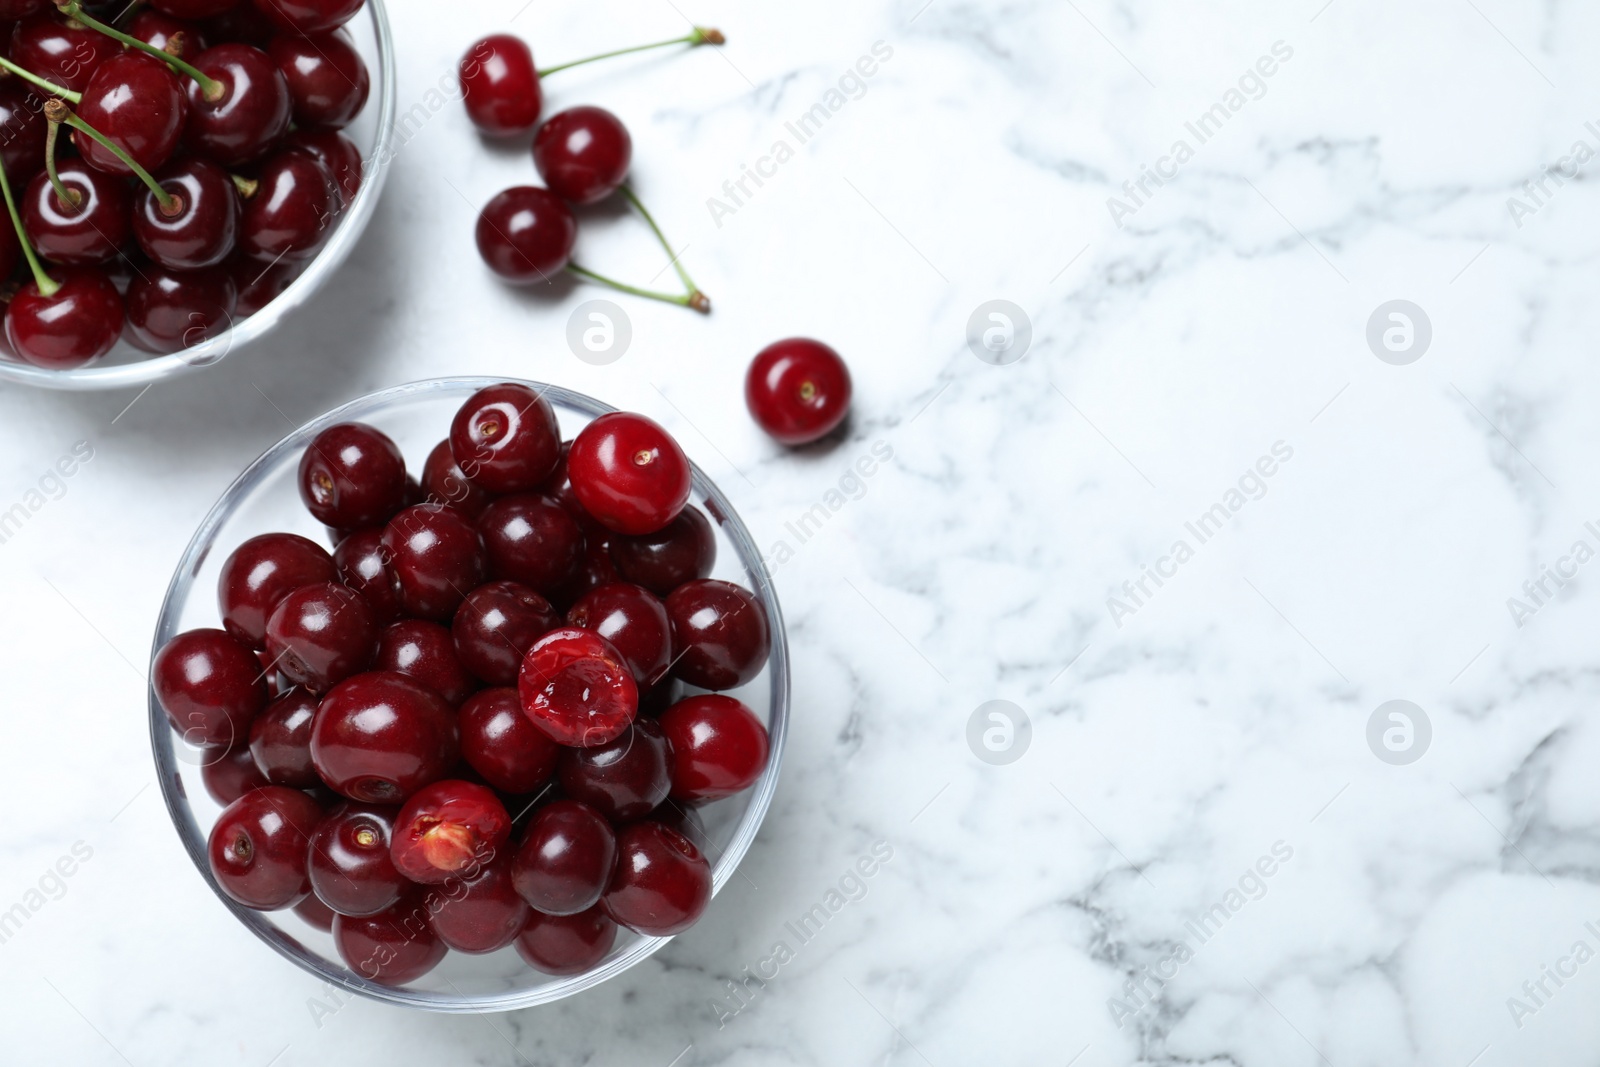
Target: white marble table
(1199, 858)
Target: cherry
(364, 566)
(349, 863)
(321, 634)
(594, 569)
(75, 325)
(565, 859)
(577, 688)
(60, 50)
(261, 572)
(20, 9)
(257, 847)
(499, 742)
(227, 777)
(681, 551)
(629, 473)
(444, 483)
(662, 883)
(436, 558)
(393, 947)
(496, 625)
(426, 652)
(505, 438)
(380, 736)
(260, 286)
(448, 829)
(316, 913)
(169, 311)
(80, 234)
(526, 234)
(327, 79)
(241, 22)
(334, 151)
(658, 699)
(137, 103)
(280, 740)
(192, 9)
(204, 227)
(566, 944)
(292, 211)
(798, 390)
(583, 154)
(250, 115)
(307, 17)
(624, 778)
(174, 36)
(210, 685)
(22, 130)
(635, 621)
(719, 747)
(720, 630)
(480, 912)
(500, 86)
(531, 540)
(352, 475)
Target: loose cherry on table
(328, 82)
(798, 390)
(564, 861)
(480, 911)
(623, 779)
(349, 863)
(425, 651)
(681, 551)
(211, 686)
(499, 742)
(169, 311)
(566, 944)
(448, 829)
(380, 736)
(532, 540)
(629, 473)
(321, 634)
(202, 230)
(260, 573)
(395, 946)
(495, 627)
(721, 632)
(505, 438)
(436, 558)
(280, 740)
(526, 234)
(364, 566)
(258, 847)
(718, 747)
(583, 154)
(577, 688)
(635, 621)
(662, 883)
(352, 476)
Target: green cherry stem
(697, 300)
(210, 88)
(56, 112)
(48, 286)
(701, 35)
(688, 283)
(69, 197)
(50, 87)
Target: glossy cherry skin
(75, 326)
(315, 912)
(594, 570)
(280, 740)
(334, 151)
(193, 9)
(496, 625)
(252, 113)
(720, 631)
(798, 390)
(210, 685)
(260, 573)
(260, 285)
(635, 621)
(566, 944)
(258, 847)
(319, 635)
(137, 102)
(351, 476)
(177, 37)
(500, 86)
(448, 829)
(505, 438)
(60, 50)
(479, 913)
(380, 736)
(82, 234)
(169, 311)
(583, 154)
(229, 776)
(623, 779)
(11, 10)
(444, 483)
(293, 210)
(22, 131)
(425, 651)
(719, 747)
(565, 858)
(577, 688)
(436, 558)
(499, 742)
(526, 234)
(628, 473)
(681, 551)
(203, 227)
(395, 946)
(531, 540)
(307, 17)
(662, 883)
(364, 566)
(349, 863)
(327, 79)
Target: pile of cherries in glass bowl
(203, 169)
(464, 728)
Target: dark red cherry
(594, 569)
(499, 742)
(280, 740)
(60, 50)
(500, 86)
(350, 868)
(719, 747)
(334, 151)
(566, 944)
(11, 10)
(479, 912)
(425, 651)
(174, 36)
(229, 776)
(22, 131)
(72, 327)
(681, 551)
(720, 631)
(137, 103)
(529, 539)
(577, 688)
(319, 635)
(193, 9)
(352, 475)
(565, 859)
(628, 473)
(505, 438)
(798, 390)
(393, 947)
(436, 558)
(258, 845)
(496, 625)
(315, 912)
(364, 567)
(448, 829)
(81, 234)
(583, 154)
(241, 22)
(250, 115)
(307, 17)
(444, 483)
(526, 234)
(260, 573)
(662, 883)
(210, 685)
(200, 229)
(328, 81)
(624, 778)
(635, 621)
(293, 210)
(260, 284)
(380, 736)
(169, 311)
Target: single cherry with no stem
(499, 742)
(88, 231)
(436, 558)
(364, 566)
(425, 651)
(251, 113)
(334, 151)
(327, 79)
(635, 621)
(798, 390)
(201, 228)
(495, 627)
(306, 17)
(565, 858)
(395, 946)
(566, 944)
(350, 867)
(445, 483)
(719, 747)
(280, 740)
(319, 635)
(505, 438)
(662, 883)
(229, 775)
(211, 686)
(500, 86)
(137, 103)
(260, 573)
(479, 912)
(170, 311)
(448, 829)
(380, 736)
(352, 475)
(258, 846)
(681, 551)
(583, 154)
(624, 778)
(577, 688)
(532, 540)
(629, 473)
(720, 631)
(525, 234)
(293, 209)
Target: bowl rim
(352, 225)
(169, 776)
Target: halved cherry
(576, 687)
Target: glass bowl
(373, 132)
(265, 497)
